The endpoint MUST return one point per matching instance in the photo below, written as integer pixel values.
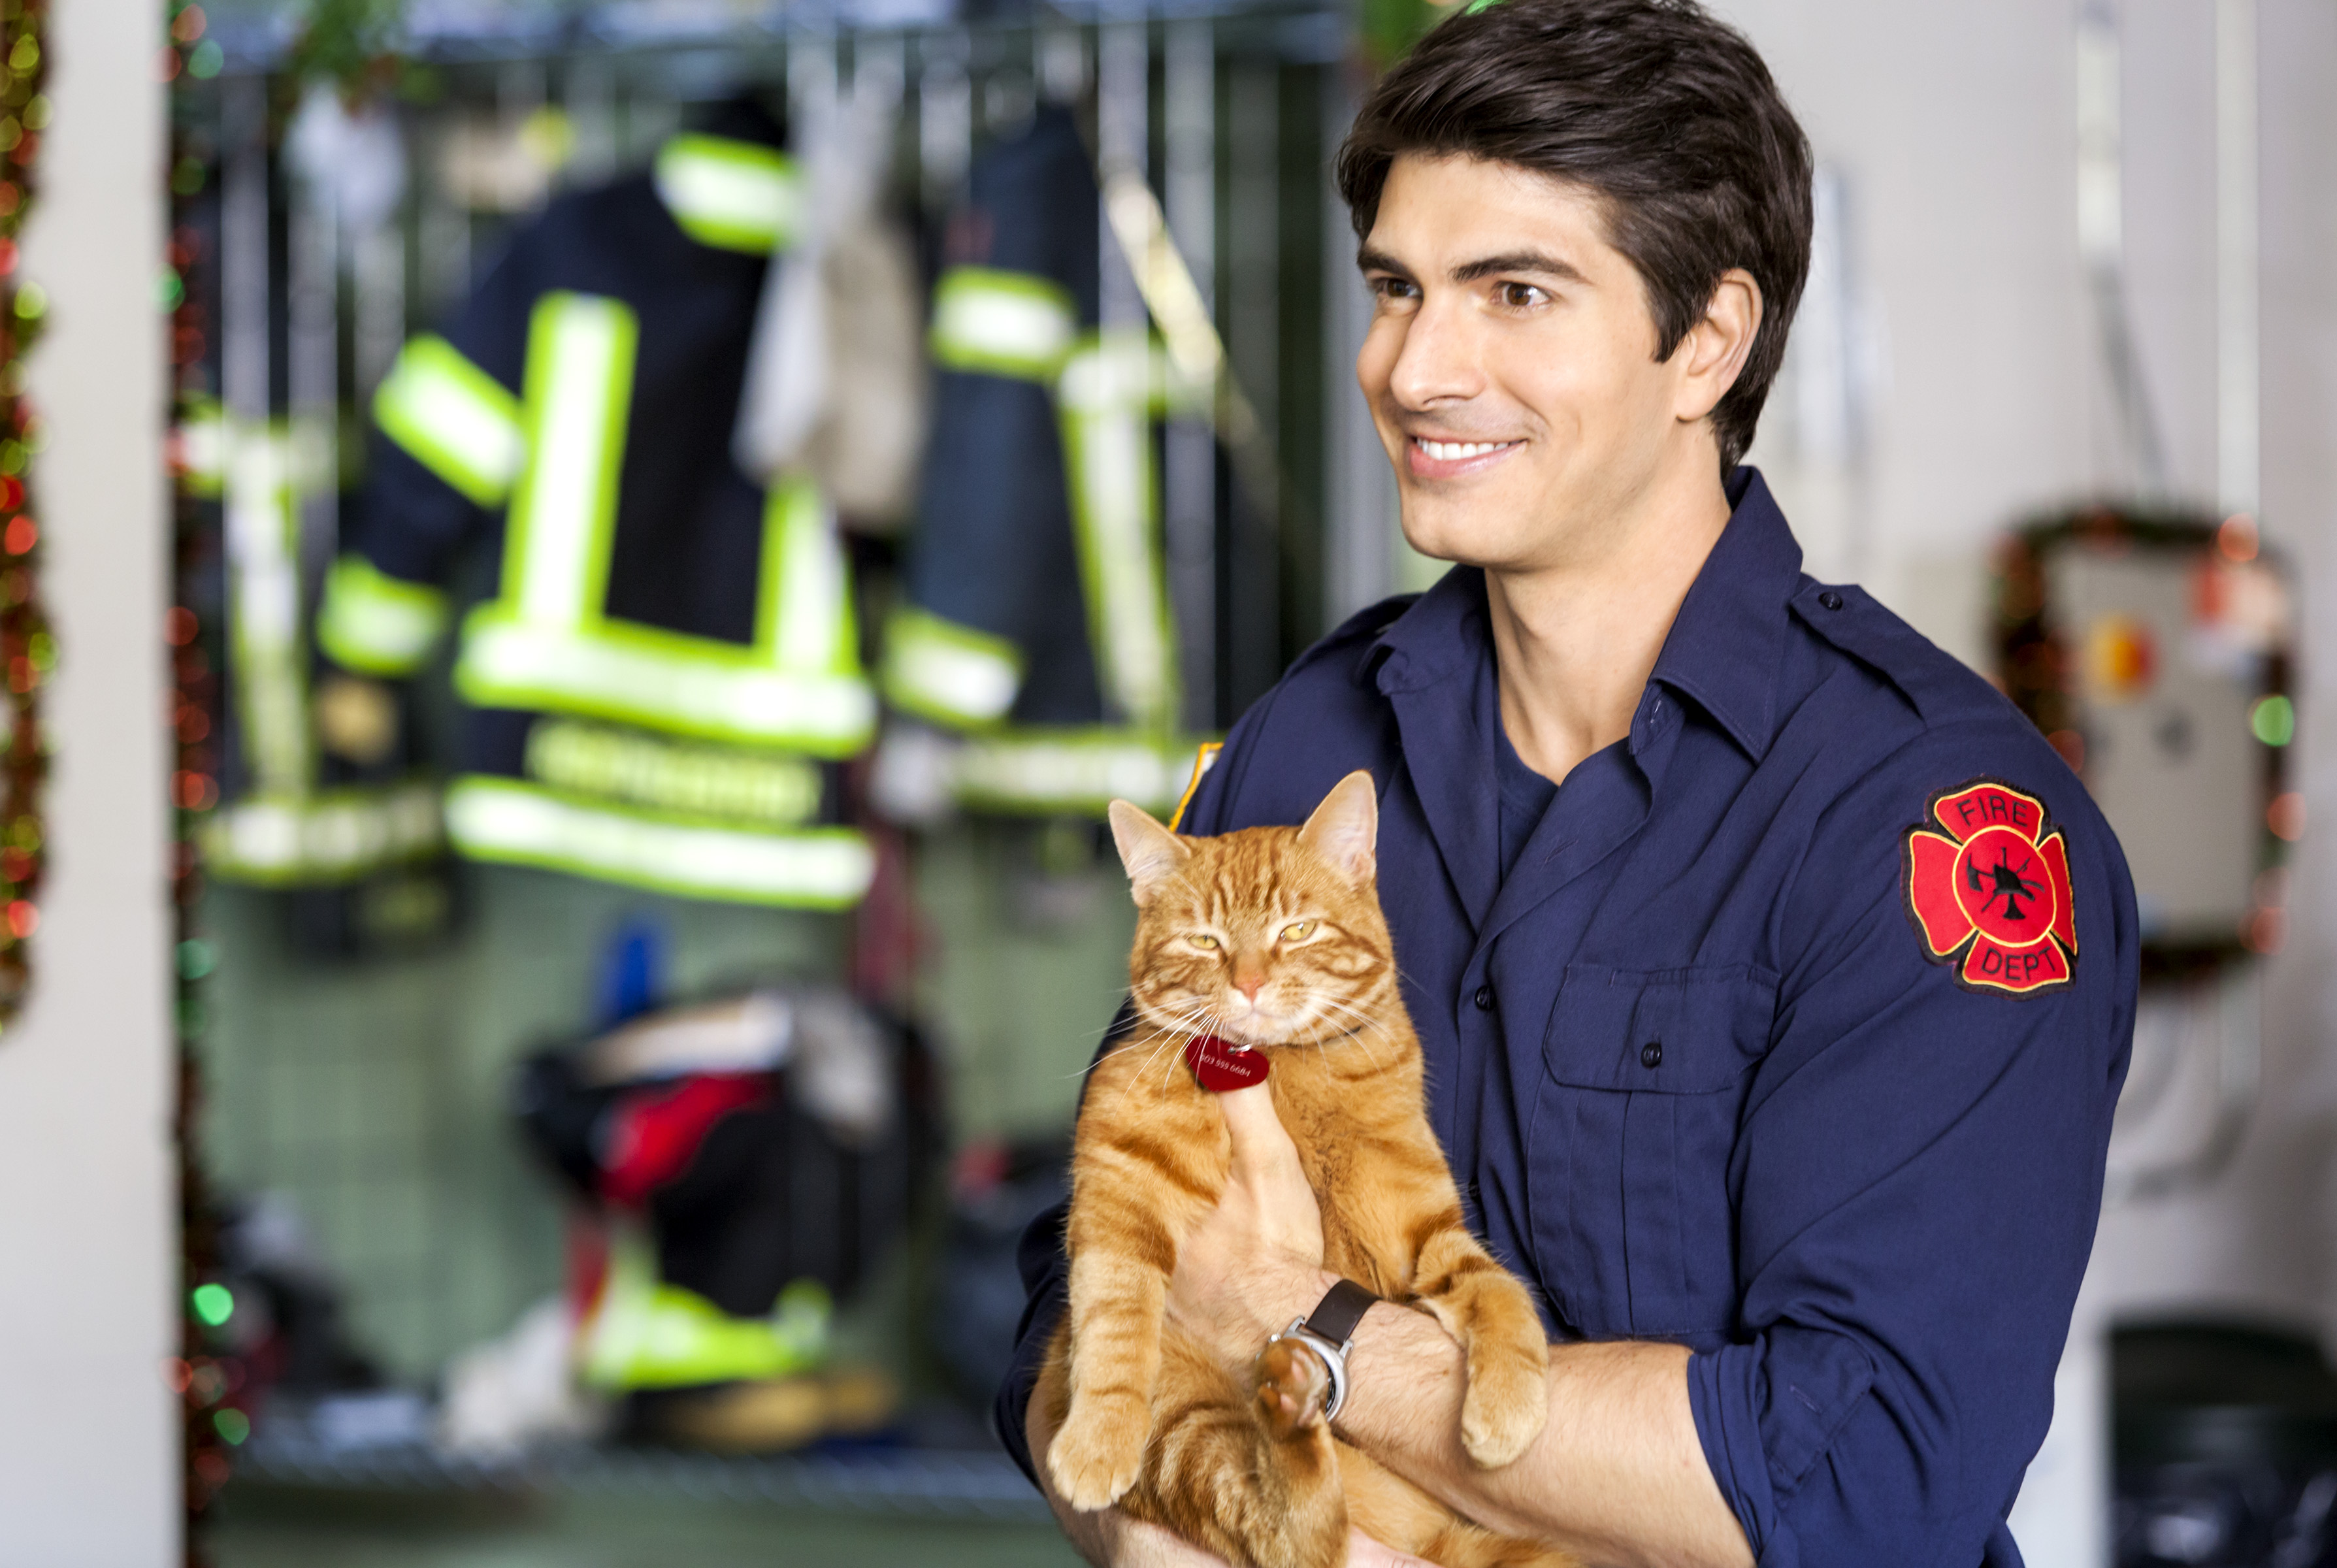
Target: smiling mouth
(1459, 451)
(1450, 459)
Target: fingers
(1259, 1139)
(1362, 1552)
(1150, 1546)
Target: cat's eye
(1298, 932)
(1202, 941)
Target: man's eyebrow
(1370, 260)
(1540, 262)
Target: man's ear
(1345, 828)
(1714, 349)
(1150, 852)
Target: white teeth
(1453, 451)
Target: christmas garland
(207, 1375)
(28, 650)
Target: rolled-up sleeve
(1918, 1173)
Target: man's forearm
(1617, 1475)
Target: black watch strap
(1341, 1308)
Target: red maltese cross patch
(1991, 894)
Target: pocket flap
(1659, 1031)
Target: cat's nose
(1250, 986)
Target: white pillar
(89, 1457)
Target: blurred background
(546, 994)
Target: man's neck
(1575, 643)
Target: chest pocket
(1644, 1078)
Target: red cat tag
(1222, 1066)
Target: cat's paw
(1505, 1407)
(1292, 1385)
(1098, 1451)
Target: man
(1775, 979)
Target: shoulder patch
(1988, 892)
(1203, 760)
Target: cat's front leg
(1118, 1294)
(1485, 1308)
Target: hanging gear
(1038, 620)
(661, 687)
(321, 780)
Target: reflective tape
(506, 820)
(579, 378)
(1106, 392)
(640, 769)
(643, 1333)
(198, 446)
(643, 675)
(731, 195)
(264, 622)
(375, 623)
(949, 673)
(803, 610)
(547, 644)
(455, 420)
(998, 323)
(1075, 769)
(336, 836)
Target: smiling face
(1510, 368)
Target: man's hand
(1257, 1262)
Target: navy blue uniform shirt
(1791, 1036)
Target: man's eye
(1521, 296)
(1299, 932)
(1394, 290)
(1207, 942)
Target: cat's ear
(1150, 852)
(1345, 828)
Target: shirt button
(1651, 1054)
(1830, 599)
(1484, 999)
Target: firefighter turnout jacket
(659, 689)
(1037, 619)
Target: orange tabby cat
(1270, 937)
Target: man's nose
(1438, 364)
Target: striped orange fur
(1271, 937)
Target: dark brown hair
(1666, 113)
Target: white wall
(1956, 127)
(88, 1250)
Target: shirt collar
(1724, 644)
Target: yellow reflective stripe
(802, 613)
(1013, 324)
(503, 819)
(1084, 770)
(731, 195)
(332, 837)
(644, 675)
(456, 420)
(580, 374)
(942, 671)
(376, 624)
(262, 527)
(1203, 760)
(1106, 391)
(200, 437)
(641, 769)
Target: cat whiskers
(1365, 1024)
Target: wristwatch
(1328, 1331)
